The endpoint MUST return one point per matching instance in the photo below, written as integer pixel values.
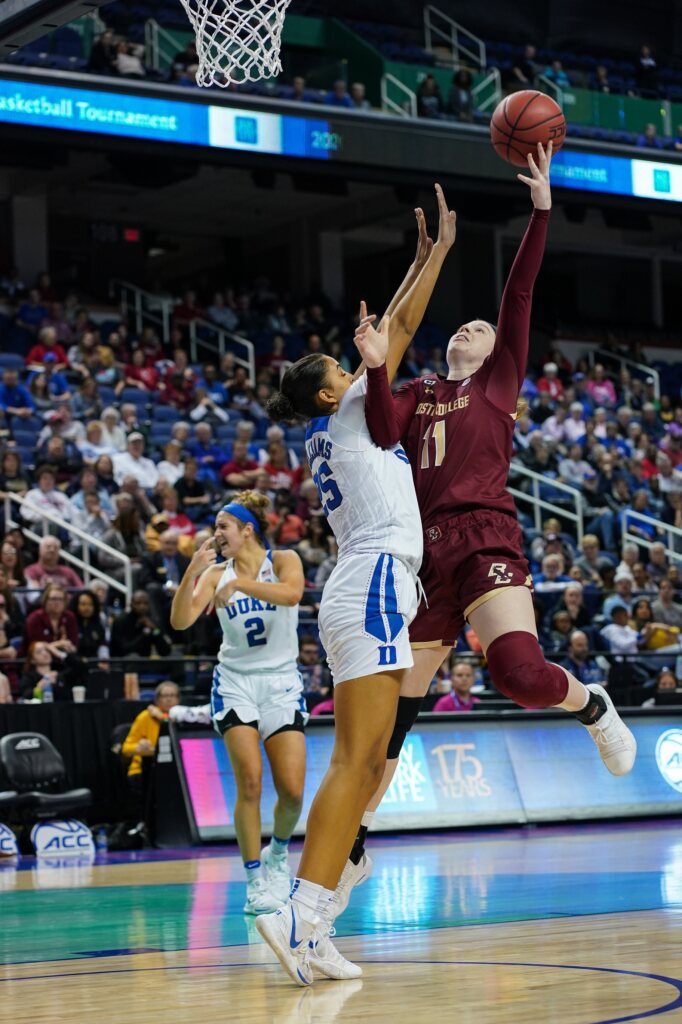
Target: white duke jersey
(257, 636)
(367, 492)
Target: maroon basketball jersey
(451, 477)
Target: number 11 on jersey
(438, 431)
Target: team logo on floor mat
(669, 757)
(62, 838)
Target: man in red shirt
(459, 698)
(48, 569)
(240, 471)
(47, 342)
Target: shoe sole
(332, 971)
(283, 956)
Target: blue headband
(243, 514)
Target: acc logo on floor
(62, 838)
(669, 757)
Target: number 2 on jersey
(255, 628)
(327, 488)
(438, 429)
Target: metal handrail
(495, 96)
(410, 107)
(671, 532)
(84, 564)
(154, 36)
(220, 346)
(545, 84)
(540, 504)
(625, 361)
(157, 310)
(451, 34)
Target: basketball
(522, 120)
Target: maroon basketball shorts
(467, 560)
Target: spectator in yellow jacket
(143, 737)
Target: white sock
(305, 896)
(325, 905)
(367, 819)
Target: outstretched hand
(447, 221)
(540, 191)
(424, 243)
(372, 344)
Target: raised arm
(502, 374)
(189, 601)
(409, 312)
(424, 249)
(415, 291)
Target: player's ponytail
(297, 397)
(521, 407)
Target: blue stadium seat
(107, 394)
(165, 414)
(25, 438)
(226, 432)
(34, 423)
(11, 361)
(135, 395)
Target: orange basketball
(522, 120)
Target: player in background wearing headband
(257, 690)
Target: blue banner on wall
(469, 772)
(162, 120)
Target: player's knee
(249, 787)
(290, 797)
(519, 671)
(406, 716)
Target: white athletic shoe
(616, 745)
(352, 875)
(276, 868)
(325, 958)
(259, 898)
(288, 937)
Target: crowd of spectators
(117, 435)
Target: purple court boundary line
(379, 839)
(643, 1015)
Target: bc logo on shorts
(499, 571)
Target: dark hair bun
(280, 409)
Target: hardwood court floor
(577, 925)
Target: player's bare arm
(408, 315)
(191, 599)
(424, 250)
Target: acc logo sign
(669, 757)
(62, 838)
(8, 842)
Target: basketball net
(237, 40)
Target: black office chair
(34, 770)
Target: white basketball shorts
(273, 702)
(367, 605)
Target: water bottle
(48, 693)
(101, 840)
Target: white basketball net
(237, 40)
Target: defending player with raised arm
(368, 602)
(257, 690)
(457, 433)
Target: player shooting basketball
(457, 433)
